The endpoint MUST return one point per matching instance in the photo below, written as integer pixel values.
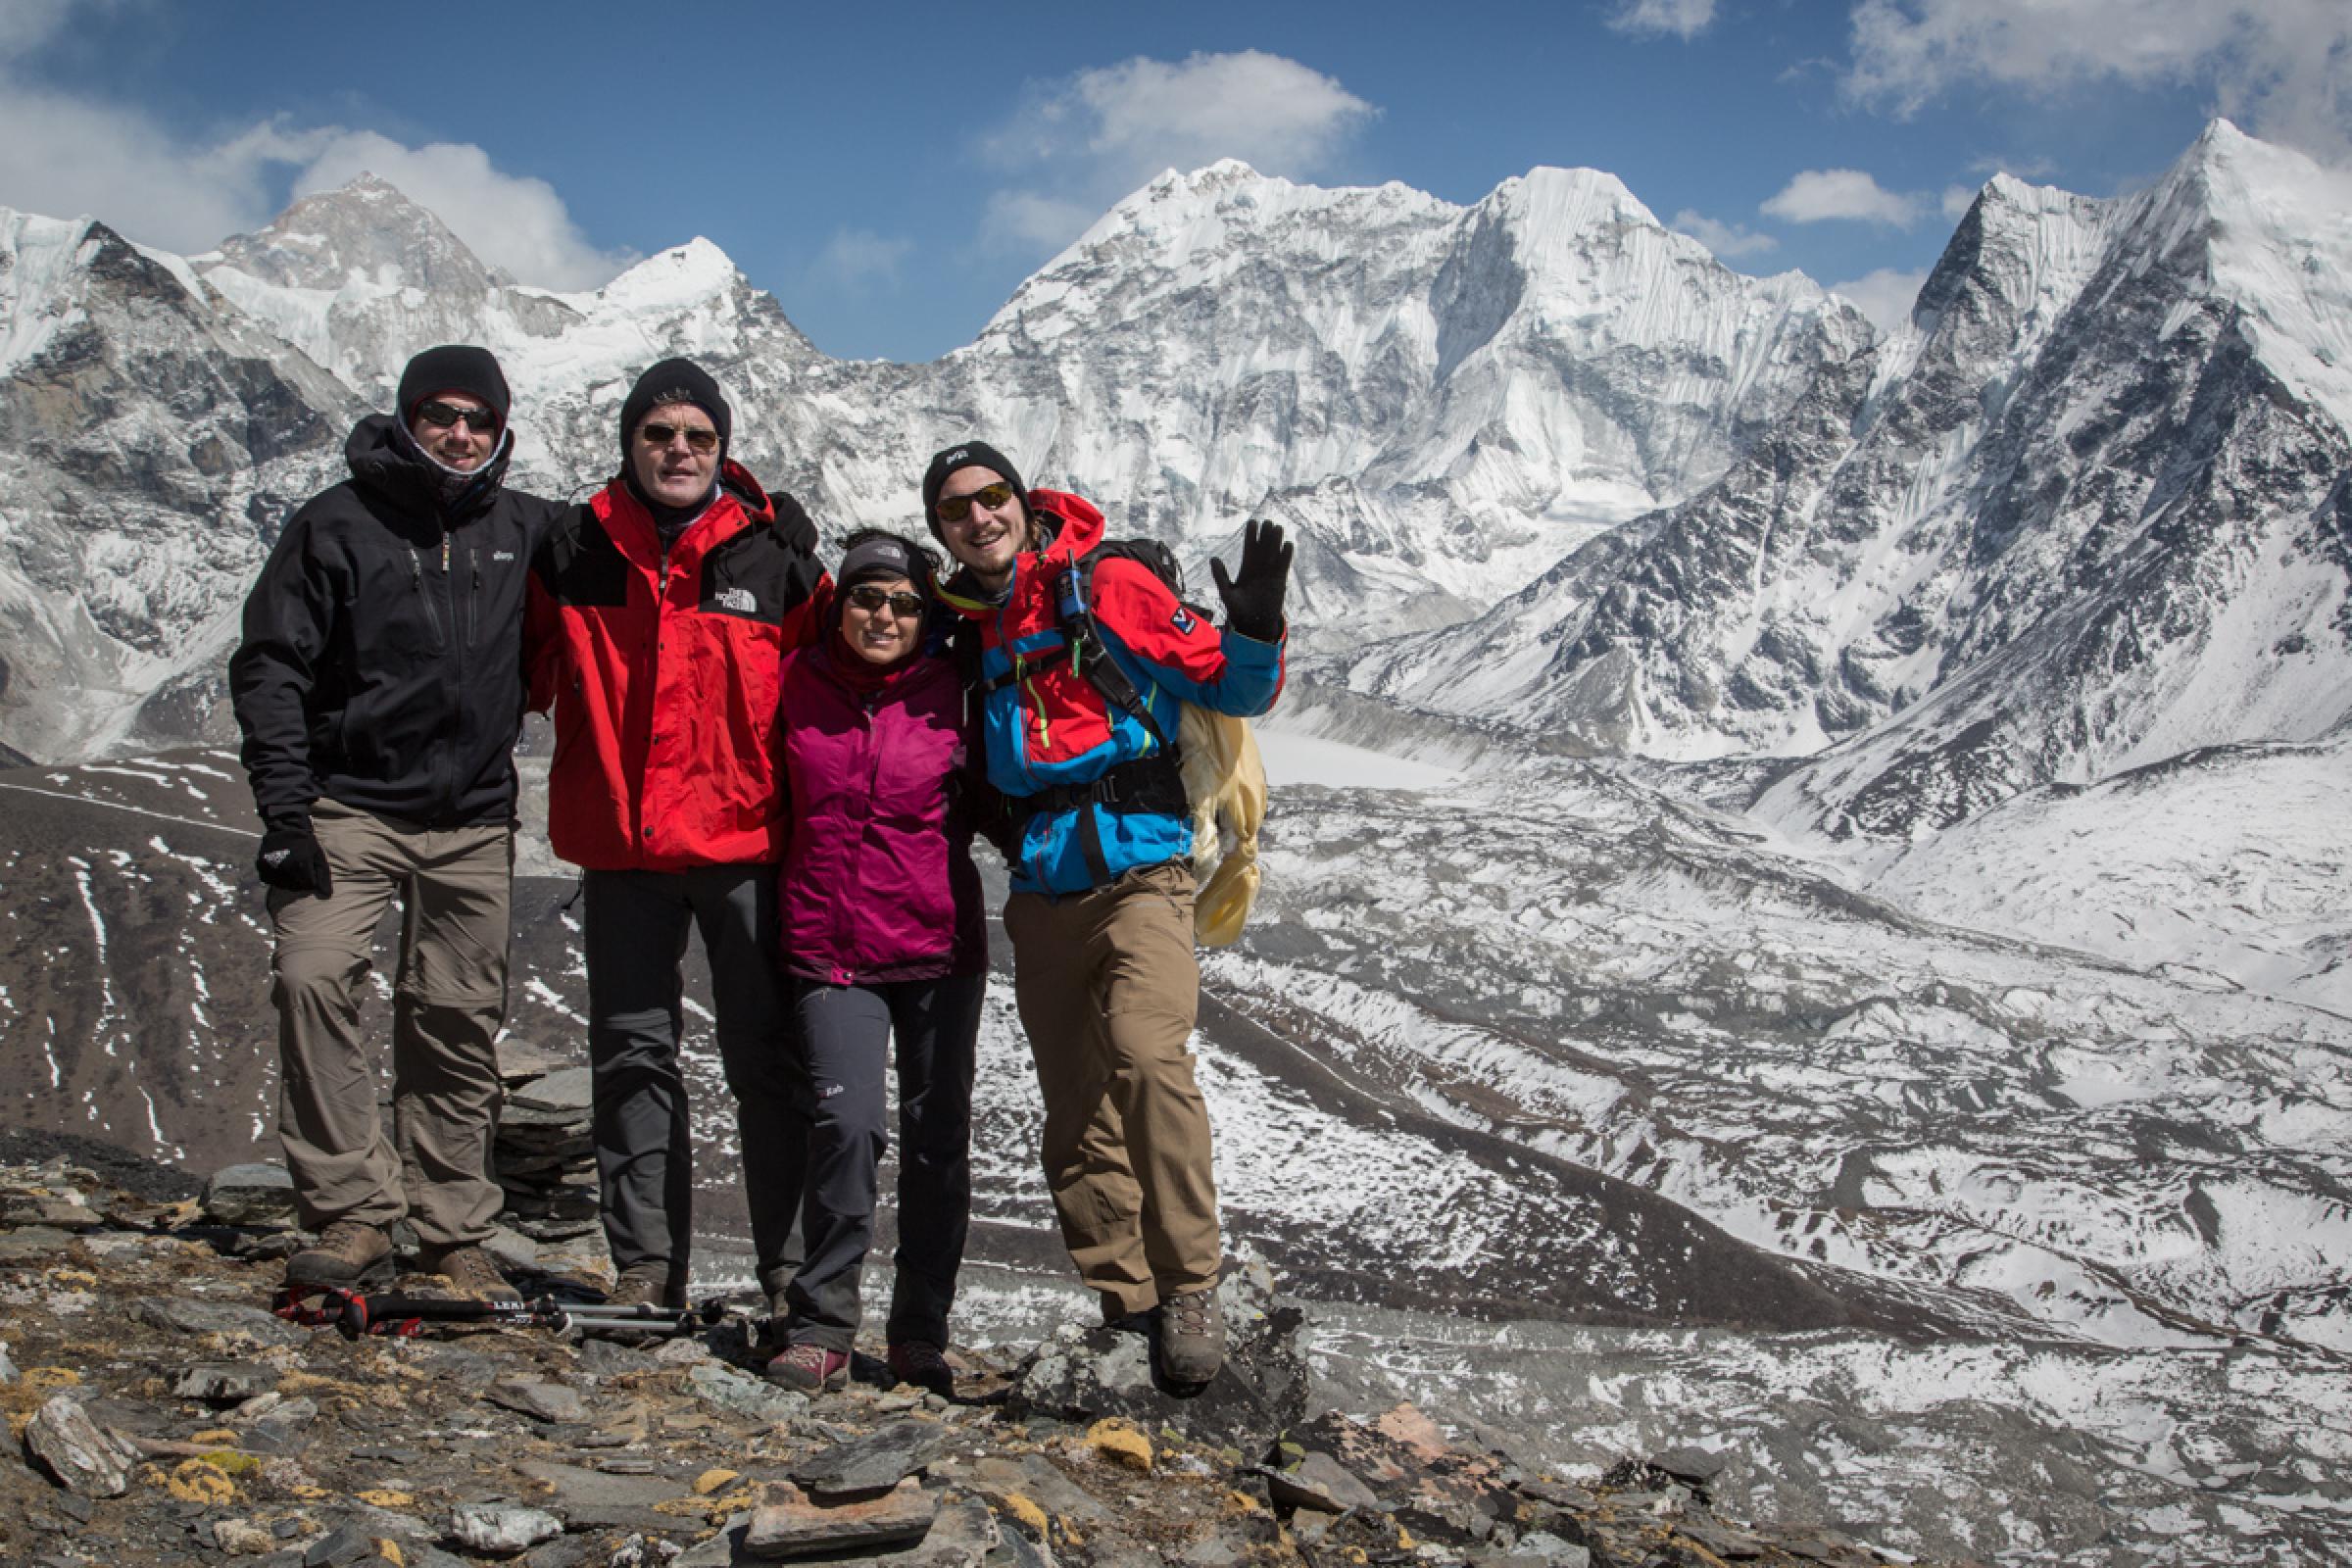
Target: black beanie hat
(883, 555)
(663, 384)
(453, 367)
(966, 455)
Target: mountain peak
(680, 276)
(366, 233)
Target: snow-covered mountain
(154, 439)
(2088, 510)
(1443, 400)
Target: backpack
(1212, 760)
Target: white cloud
(858, 260)
(1082, 143)
(64, 155)
(2284, 67)
(1885, 296)
(510, 221)
(1027, 223)
(1819, 195)
(1685, 19)
(1724, 239)
(1957, 199)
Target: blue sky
(893, 171)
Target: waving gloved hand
(292, 860)
(1253, 595)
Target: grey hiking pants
(844, 1036)
(636, 928)
(450, 996)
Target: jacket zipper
(432, 616)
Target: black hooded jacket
(381, 665)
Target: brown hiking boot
(349, 1255)
(646, 1285)
(1192, 1337)
(474, 1273)
(923, 1364)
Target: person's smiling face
(675, 450)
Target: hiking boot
(473, 1272)
(646, 1285)
(810, 1368)
(1192, 1337)
(349, 1255)
(923, 1364)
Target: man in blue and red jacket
(1100, 914)
(660, 611)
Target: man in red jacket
(1101, 835)
(660, 612)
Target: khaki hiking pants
(1108, 987)
(450, 999)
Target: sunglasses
(871, 599)
(441, 416)
(955, 508)
(662, 435)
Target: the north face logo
(738, 600)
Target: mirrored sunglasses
(955, 508)
(441, 416)
(871, 599)
(662, 435)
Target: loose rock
(717, 1384)
(248, 1326)
(788, 1523)
(257, 1194)
(872, 1463)
(79, 1454)
(551, 1402)
(221, 1383)
(501, 1529)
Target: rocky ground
(165, 1417)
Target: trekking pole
(357, 1313)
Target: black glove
(1253, 595)
(292, 860)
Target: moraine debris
(192, 1427)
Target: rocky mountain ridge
(1439, 400)
(2088, 510)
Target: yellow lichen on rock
(200, 1481)
(1120, 1443)
(389, 1549)
(385, 1497)
(711, 1481)
(1027, 1513)
(213, 1435)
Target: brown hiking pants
(1109, 986)
(433, 1169)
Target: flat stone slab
(873, 1463)
(717, 1384)
(566, 1089)
(790, 1524)
(249, 1325)
(551, 1402)
(258, 1194)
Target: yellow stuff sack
(1225, 779)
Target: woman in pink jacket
(884, 941)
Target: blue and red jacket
(1049, 729)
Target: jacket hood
(1076, 525)
(384, 459)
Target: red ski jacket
(663, 668)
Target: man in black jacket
(380, 686)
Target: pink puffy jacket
(877, 882)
